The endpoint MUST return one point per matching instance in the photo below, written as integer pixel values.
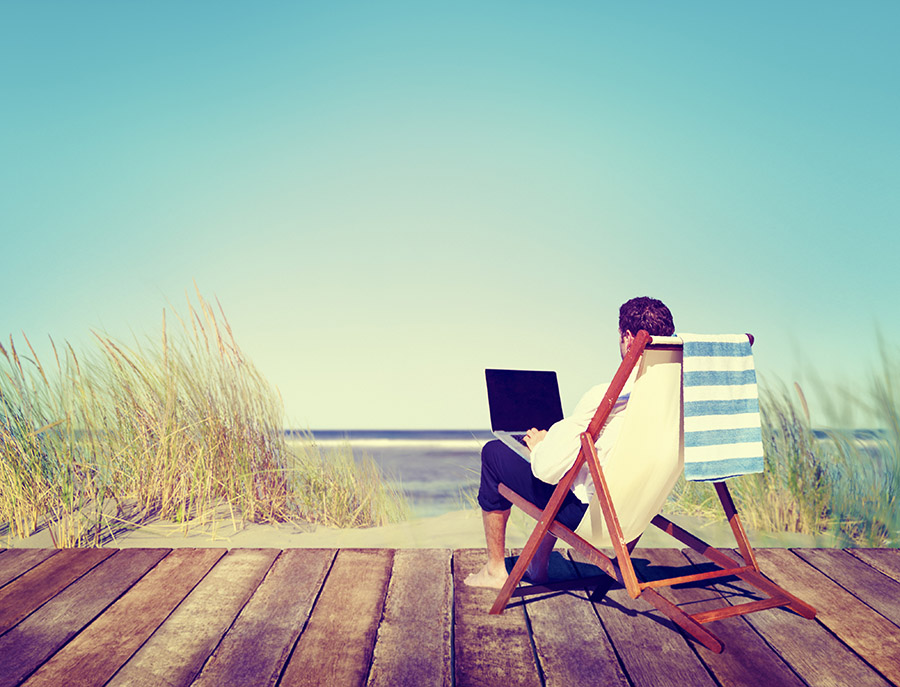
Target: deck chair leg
(608, 582)
(518, 571)
(737, 527)
(683, 620)
(752, 577)
(797, 605)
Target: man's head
(643, 313)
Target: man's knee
(490, 452)
(494, 467)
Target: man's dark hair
(646, 313)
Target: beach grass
(341, 488)
(790, 495)
(171, 428)
(841, 483)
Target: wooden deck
(403, 617)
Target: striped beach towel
(722, 436)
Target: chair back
(648, 455)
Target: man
(553, 452)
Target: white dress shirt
(553, 456)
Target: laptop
(519, 400)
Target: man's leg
(499, 464)
(537, 571)
(493, 573)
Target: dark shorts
(499, 463)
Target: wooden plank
(885, 560)
(336, 646)
(30, 591)
(42, 633)
(813, 652)
(651, 648)
(16, 562)
(869, 634)
(175, 653)
(860, 579)
(489, 650)
(747, 660)
(92, 657)
(569, 640)
(413, 645)
(255, 649)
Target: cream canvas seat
(643, 466)
(631, 487)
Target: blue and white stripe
(722, 436)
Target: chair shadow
(575, 577)
(597, 584)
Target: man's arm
(555, 451)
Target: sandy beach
(453, 530)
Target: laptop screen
(522, 399)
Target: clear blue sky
(388, 197)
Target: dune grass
(344, 489)
(793, 492)
(172, 428)
(867, 467)
(836, 482)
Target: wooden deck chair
(632, 487)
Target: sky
(388, 197)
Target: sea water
(436, 470)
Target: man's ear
(625, 340)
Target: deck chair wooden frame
(620, 568)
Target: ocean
(433, 468)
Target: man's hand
(534, 436)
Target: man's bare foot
(485, 578)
